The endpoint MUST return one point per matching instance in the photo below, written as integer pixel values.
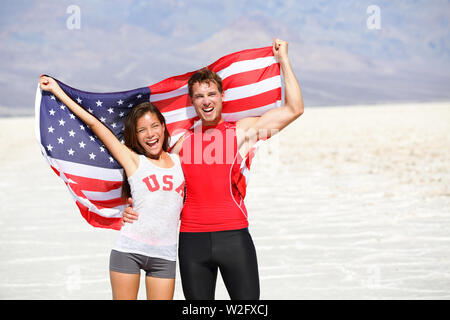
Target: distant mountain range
(129, 44)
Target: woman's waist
(154, 235)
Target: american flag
(252, 85)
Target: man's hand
(280, 50)
(129, 215)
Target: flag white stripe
(246, 173)
(234, 68)
(256, 112)
(171, 94)
(37, 112)
(253, 89)
(246, 65)
(87, 171)
(179, 114)
(95, 195)
(115, 212)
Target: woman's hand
(48, 84)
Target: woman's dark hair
(130, 136)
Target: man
(214, 228)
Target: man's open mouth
(208, 110)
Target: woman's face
(150, 134)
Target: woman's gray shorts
(133, 263)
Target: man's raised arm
(278, 118)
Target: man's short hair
(204, 76)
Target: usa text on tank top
(209, 158)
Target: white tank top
(158, 199)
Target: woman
(155, 181)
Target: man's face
(207, 101)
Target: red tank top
(210, 160)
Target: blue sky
(125, 44)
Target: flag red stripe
(98, 221)
(56, 171)
(247, 54)
(89, 184)
(171, 83)
(174, 103)
(252, 102)
(251, 77)
(99, 204)
(181, 125)
(108, 204)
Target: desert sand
(348, 202)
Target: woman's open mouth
(152, 143)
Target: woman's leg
(159, 288)
(125, 274)
(125, 286)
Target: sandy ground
(346, 203)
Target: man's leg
(235, 254)
(198, 273)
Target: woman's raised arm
(128, 159)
